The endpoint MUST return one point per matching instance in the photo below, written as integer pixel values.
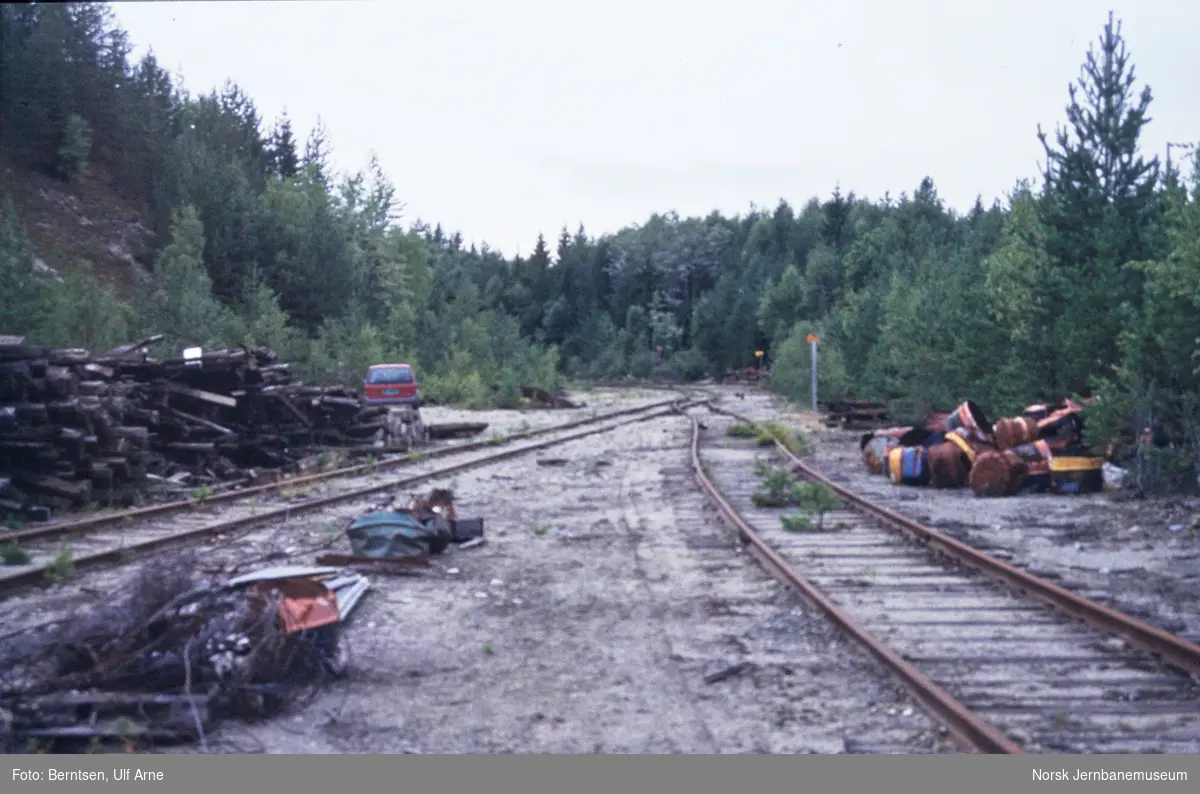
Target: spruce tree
(1099, 202)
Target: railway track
(119, 537)
(1008, 662)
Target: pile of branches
(162, 664)
(77, 429)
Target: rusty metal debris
(426, 526)
(1041, 450)
(175, 655)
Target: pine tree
(21, 290)
(1098, 206)
(316, 154)
(835, 215)
(180, 303)
(282, 156)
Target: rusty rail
(17, 581)
(95, 522)
(970, 731)
(1170, 649)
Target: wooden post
(812, 342)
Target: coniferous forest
(1084, 280)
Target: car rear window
(390, 375)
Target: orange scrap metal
(306, 604)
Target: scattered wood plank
(201, 394)
(545, 399)
(77, 427)
(456, 429)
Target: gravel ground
(508, 422)
(605, 599)
(1140, 557)
(607, 593)
(588, 624)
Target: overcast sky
(502, 119)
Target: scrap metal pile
(1039, 451)
(175, 656)
(77, 429)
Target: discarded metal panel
(281, 572)
(350, 596)
(466, 529)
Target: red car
(391, 384)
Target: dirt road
(606, 596)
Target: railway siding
(1049, 683)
